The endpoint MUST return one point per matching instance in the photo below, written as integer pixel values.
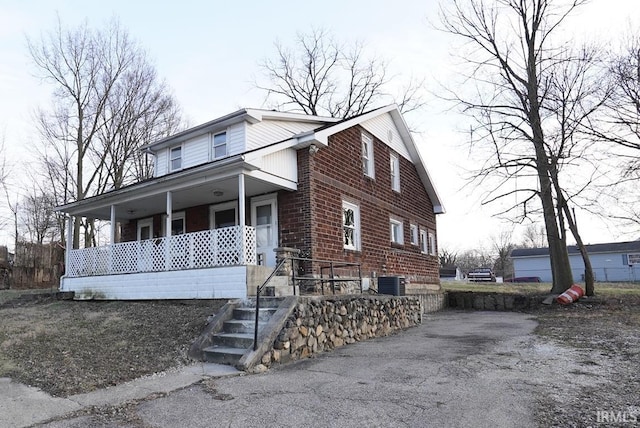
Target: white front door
(145, 249)
(264, 217)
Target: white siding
(235, 139)
(162, 163)
(380, 126)
(195, 151)
(216, 283)
(272, 131)
(282, 164)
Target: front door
(264, 217)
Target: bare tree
(320, 76)
(37, 216)
(502, 244)
(531, 98)
(534, 236)
(447, 257)
(102, 83)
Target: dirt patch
(600, 342)
(70, 347)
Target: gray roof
(613, 247)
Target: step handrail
(258, 291)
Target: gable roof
(613, 247)
(321, 136)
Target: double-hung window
(432, 243)
(424, 242)
(351, 226)
(367, 156)
(414, 234)
(394, 164)
(220, 145)
(175, 158)
(396, 231)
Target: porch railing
(229, 246)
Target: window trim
(224, 206)
(432, 242)
(177, 215)
(394, 166)
(424, 241)
(368, 157)
(356, 226)
(171, 158)
(213, 145)
(415, 234)
(395, 224)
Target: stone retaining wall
(319, 324)
(491, 301)
(431, 302)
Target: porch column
(241, 218)
(167, 244)
(113, 224)
(169, 210)
(69, 246)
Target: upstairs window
(414, 234)
(175, 158)
(220, 145)
(432, 243)
(394, 164)
(424, 242)
(367, 156)
(396, 231)
(350, 226)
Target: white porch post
(167, 250)
(69, 246)
(113, 224)
(241, 217)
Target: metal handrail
(258, 291)
(293, 268)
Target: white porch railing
(229, 246)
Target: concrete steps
(236, 337)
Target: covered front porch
(195, 234)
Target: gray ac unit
(393, 285)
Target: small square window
(367, 156)
(220, 145)
(176, 158)
(396, 231)
(394, 162)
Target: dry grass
(70, 347)
(603, 289)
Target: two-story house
(226, 193)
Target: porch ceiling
(141, 203)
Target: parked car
(481, 275)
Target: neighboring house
(618, 261)
(227, 193)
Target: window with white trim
(219, 145)
(432, 243)
(394, 164)
(177, 224)
(414, 234)
(175, 158)
(396, 231)
(367, 156)
(351, 226)
(424, 242)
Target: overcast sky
(209, 54)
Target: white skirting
(214, 283)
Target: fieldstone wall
(319, 324)
(492, 301)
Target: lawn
(602, 289)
